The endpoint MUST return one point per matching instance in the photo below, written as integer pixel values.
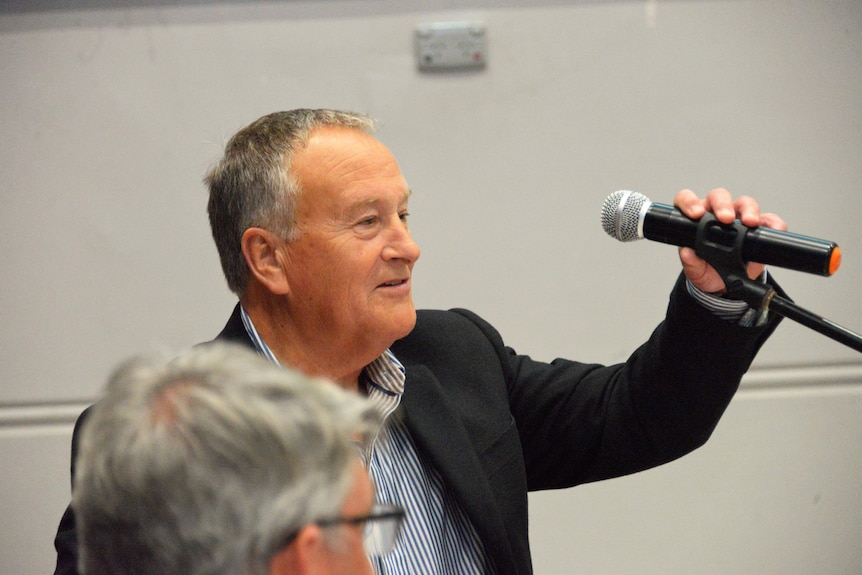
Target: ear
(302, 556)
(265, 257)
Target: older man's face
(350, 269)
(352, 558)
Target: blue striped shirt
(437, 537)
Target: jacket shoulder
(447, 332)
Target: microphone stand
(726, 258)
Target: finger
(748, 211)
(690, 259)
(754, 270)
(720, 203)
(690, 204)
(773, 221)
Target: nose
(400, 244)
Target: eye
(369, 221)
(404, 215)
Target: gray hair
(252, 185)
(203, 464)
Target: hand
(725, 209)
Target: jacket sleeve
(583, 422)
(66, 540)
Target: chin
(406, 325)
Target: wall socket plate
(451, 46)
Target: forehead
(343, 153)
(347, 166)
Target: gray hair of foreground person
(202, 464)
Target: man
(218, 462)
(308, 211)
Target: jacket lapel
(441, 435)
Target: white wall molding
(803, 376)
(39, 414)
(814, 376)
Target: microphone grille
(621, 214)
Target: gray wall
(110, 115)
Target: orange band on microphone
(834, 260)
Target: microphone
(629, 216)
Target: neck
(312, 352)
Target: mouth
(394, 283)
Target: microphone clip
(720, 245)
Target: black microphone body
(629, 216)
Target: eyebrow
(356, 207)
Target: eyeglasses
(380, 528)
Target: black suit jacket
(496, 424)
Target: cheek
(344, 271)
(316, 270)
(359, 561)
